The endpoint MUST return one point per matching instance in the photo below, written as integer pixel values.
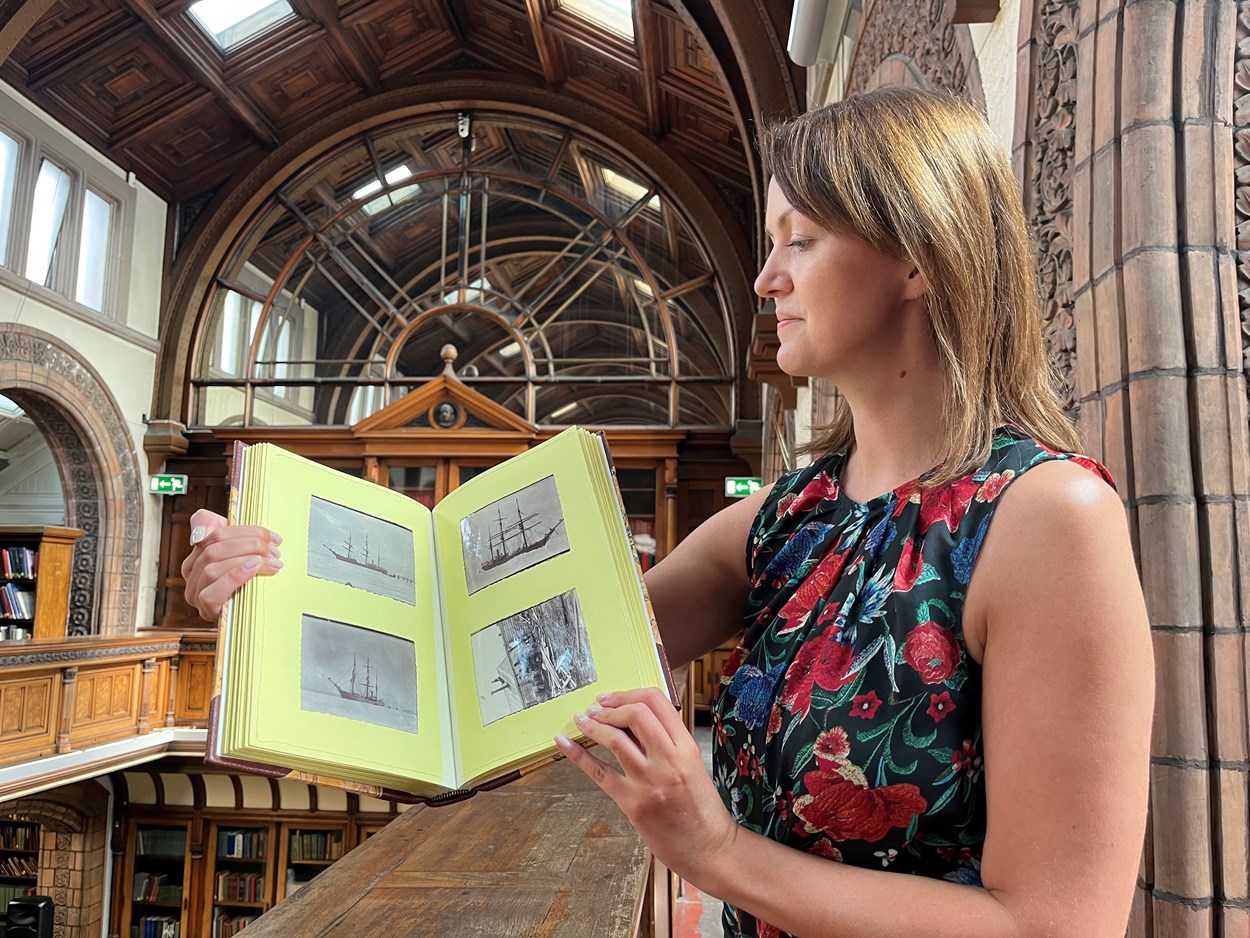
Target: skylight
(394, 197)
(632, 190)
(474, 292)
(614, 15)
(230, 22)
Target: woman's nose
(769, 281)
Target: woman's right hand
(223, 557)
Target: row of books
(156, 887)
(19, 837)
(317, 845)
(156, 926)
(246, 844)
(19, 562)
(16, 603)
(19, 866)
(13, 891)
(155, 841)
(240, 887)
(225, 926)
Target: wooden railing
(63, 695)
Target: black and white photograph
(358, 550)
(536, 655)
(513, 534)
(353, 672)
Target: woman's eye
(798, 244)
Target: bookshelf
(240, 876)
(35, 567)
(19, 859)
(157, 878)
(307, 849)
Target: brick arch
(94, 452)
(55, 816)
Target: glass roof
(615, 15)
(230, 22)
(570, 297)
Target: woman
(916, 690)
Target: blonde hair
(918, 174)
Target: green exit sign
(742, 486)
(167, 484)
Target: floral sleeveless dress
(848, 722)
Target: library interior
(410, 239)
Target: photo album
(419, 654)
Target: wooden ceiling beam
(16, 19)
(647, 39)
(343, 41)
(203, 71)
(553, 69)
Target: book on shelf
(162, 842)
(17, 602)
(419, 654)
(19, 562)
(241, 844)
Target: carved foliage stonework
(921, 29)
(1241, 157)
(1054, 143)
(48, 357)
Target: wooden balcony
(70, 695)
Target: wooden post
(171, 698)
(69, 684)
(145, 695)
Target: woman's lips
(786, 321)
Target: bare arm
(698, 591)
(1067, 707)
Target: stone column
(1130, 102)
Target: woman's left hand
(662, 785)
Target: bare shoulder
(1059, 535)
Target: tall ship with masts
(516, 538)
(364, 691)
(348, 555)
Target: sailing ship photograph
(358, 550)
(512, 534)
(534, 656)
(357, 673)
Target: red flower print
(825, 848)
(865, 705)
(821, 661)
(815, 587)
(940, 706)
(845, 810)
(1095, 467)
(732, 663)
(932, 651)
(818, 490)
(910, 566)
(774, 722)
(832, 745)
(966, 760)
(992, 486)
(957, 855)
(764, 930)
(946, 503)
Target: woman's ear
(915, 287)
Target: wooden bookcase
(19, 859)
(240, 882)
(35, 567)
(157, 879)
(307, 849)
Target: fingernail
(563, 741)
(197, 535)
(276, 564)
(274, 552)
(275, 537)
(580, 718)
(602, 697)
(251, 563)
(594, 710)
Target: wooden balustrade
(62, 695)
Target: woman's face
(840, 302)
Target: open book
(407, 651)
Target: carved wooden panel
(27, 715)
(401, 34)
(61, 28)
(106, 696)
(195, 687)
(299, 87)
(685, 58)
(615, 87)
(503, 31)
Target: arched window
(571, 284)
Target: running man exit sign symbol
(167, 484)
